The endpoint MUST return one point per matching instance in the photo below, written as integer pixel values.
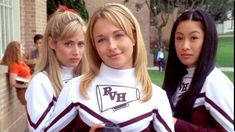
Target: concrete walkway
(225, 69)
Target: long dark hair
(175, 70)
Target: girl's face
(113, 45)
(189, 37)
(69, 52)
(21, 51)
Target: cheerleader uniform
(114, 97)
(213, 109)
(41, 98)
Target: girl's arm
(40, 100)
(14, 83)
(64, 113)
(163, 120)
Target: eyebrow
(116, 31)
(69, 40)
(189, 33)
(99, 36)
(72, 41)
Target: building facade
(20, 20)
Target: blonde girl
(61, 58)
(117, 88)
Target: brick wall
(41, 16)
(12, 113)
(142, 16)
(32, 20)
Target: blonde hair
(12, 53)
(63, 24)
(122, 17)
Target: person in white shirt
(160, 60)
(60, 59)
(200, 93)
(117, 87)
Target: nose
(76, 50)
(112, 44)
(186, 45)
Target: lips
(186, 56)
(113, 55)
(74, 59)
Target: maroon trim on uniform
(201, 95)
(123, 124)
(69, 108)
(162, 121)
(209, 101)
(88, 110)
(35, 125)
(202, 121)
(136, 119)
(219, 110)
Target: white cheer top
(41, 98)
(114, 96)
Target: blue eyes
(68, 44)
(100, 40)
(81, 44)
(119, 35)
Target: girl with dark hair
(33, 55)
(201, 96)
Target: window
(9, 23)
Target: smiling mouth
(114, 55)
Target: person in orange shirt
(19, 71)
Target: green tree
(78, 5)
(219, 9)
(160, 10)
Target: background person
(200, 94)
(160, 59)
(60, 59)
(33, 55)
(19, 71)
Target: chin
(114, 66)
(72, 65)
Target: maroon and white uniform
(41, 98)
(114, 96)
(214, 107)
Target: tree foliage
(78, 5)
(219, 9)
(162, 9)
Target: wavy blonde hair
(12, 53)
(122, 17)
(63, 24)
